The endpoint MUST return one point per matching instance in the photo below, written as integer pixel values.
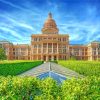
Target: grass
(14, 61)
(16, 67)
(87, 68)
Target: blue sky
(78, 18)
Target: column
(19, 54)
(80, 54)
(47, 48)
(57, 51)
(72, 51)
(47, 53)
(37, 51)
(52, 58)
(97, 53)
(27, 54)
(32, 47)
(8, 53)
(67, 52)
(57, 48)
(47, 58)
(52, 47)
(91, 54)
(42, 52)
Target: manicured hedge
(29, 88)
(17, 67)
(86, 68)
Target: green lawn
(87, 68)
(14, 61)
(16, 67)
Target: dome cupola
(50, 26)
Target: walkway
(49, 66)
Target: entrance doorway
(49, 58)
(55, 58)
(44, 58)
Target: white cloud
(14, 22)
(10, 32)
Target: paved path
(49, 66)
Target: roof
(77, 44)
(53, 35)
(21, 45)
(93, 42)
(5, 41)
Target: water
(58, 77)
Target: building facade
(50, 45)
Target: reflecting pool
(58, 77)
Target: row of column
(47, 51)
(48, 48)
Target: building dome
(50, 26)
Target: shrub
(17, 68)
(26, 88)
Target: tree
(2, 54)
(72, 57)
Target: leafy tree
(2, 54)
(73, 58)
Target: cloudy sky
(78, 18)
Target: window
(45, 38)
(54, 38)
(94, 53)
(93, 48)
(39, 39)
(99, 53)
(59, 39)
(13, 53)
(39, 51)
(44, 51)
(76, 53)
(99, 45)
(50, 51)
(39, 46)
(55, 45)
(35, 39)
(64, 46)
(35, 46)
(44, 45)
(23, 49)
(49, 45)
(0, 45)
(54, 51)
(34, 52)
(50, 38)
(98, 48)
(64, 50)
(60, 46)
(13, 49)
(64, 39)
(60, 50)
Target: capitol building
(51, 45)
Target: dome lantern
(50, 15)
